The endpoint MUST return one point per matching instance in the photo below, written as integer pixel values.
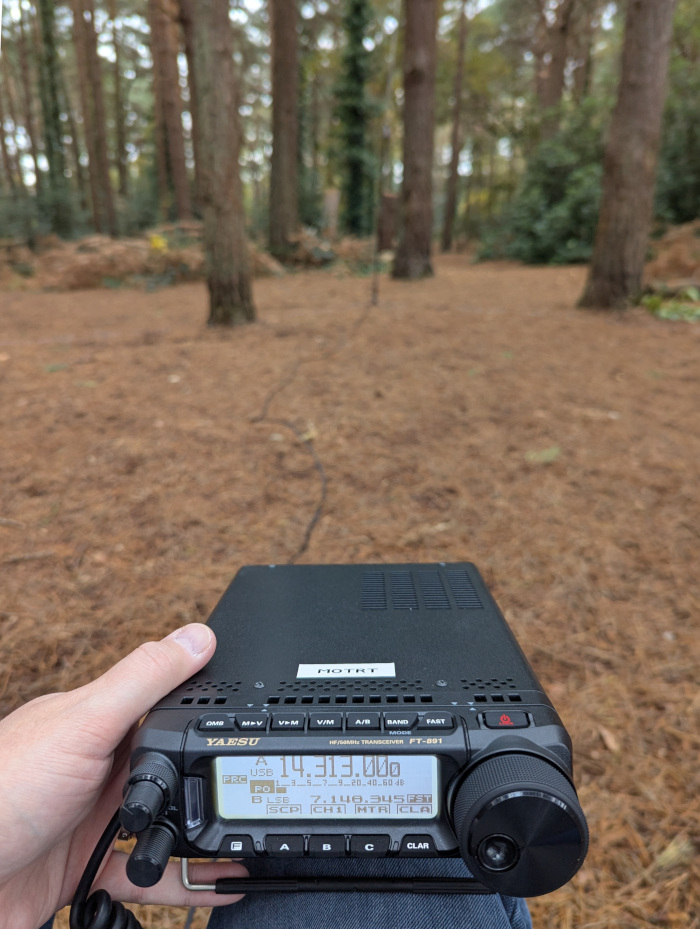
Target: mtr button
(506, 720)
(436, 721)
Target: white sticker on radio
(363, 669)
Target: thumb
(125, 693)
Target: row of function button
(328, 846)
(317, 722)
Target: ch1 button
(506, 720)
(369, 846)
(215, 722)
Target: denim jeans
(355, 910)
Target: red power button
(506, 720)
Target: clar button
(418, 846)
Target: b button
(369, 846)
(327, 846)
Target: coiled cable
(98, 910)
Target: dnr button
(418, 846)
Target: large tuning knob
(520, 827)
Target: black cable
(99, 911)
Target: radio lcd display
(335, 786)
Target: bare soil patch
(474, 416)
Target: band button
(418, 846)
(369, 846)
(436, 721)
(327, 846)
(292, 721)
(285, 846)
(215, 722)
(400, 720)
(237, 846)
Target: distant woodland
(498, 123)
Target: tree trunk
(227, 264)
(119, 113)
(4, 150)
(165, 46)
(27, 98)
(80, 44)
(629, 172)
(187, 23)
(456, 142)
(99, 122)
(57, 200)
(551, 83)
(413, 255)
(284, 187)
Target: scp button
(369, 846)
(506, 720)
(285, 846)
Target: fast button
(436, 721)
(369, 846)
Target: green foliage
(683, 306)
(354, 111)
(553, 217)
(678, 180)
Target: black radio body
(360, 711)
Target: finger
(118, 699)
(169, 891)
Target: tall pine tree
(353, 111)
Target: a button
(237, 846)
(400, 720)
(363, 720)
(325, 721)
(218, 722)
(418, 846)
(327, 846)
(369, 846)
(515, 720)
(436, 721)
(285, 846)
(293, 722)
(246, 721)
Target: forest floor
(474, 416)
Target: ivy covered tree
(354, 111)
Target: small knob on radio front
(520, 826)
(151, 786)
(150, 855)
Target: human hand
(65, 758)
